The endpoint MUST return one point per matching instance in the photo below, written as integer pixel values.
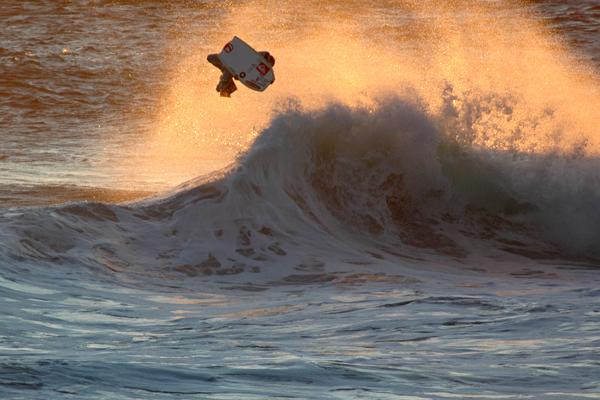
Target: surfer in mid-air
(226, 84)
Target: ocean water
(411, 211)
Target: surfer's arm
(215, 60)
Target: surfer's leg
(226, 85)
(225, 75)
(225, 81)
(230, 88)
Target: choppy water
(415, 218)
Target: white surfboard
(247, 64)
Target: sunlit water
(412, 213)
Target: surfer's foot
(225, 94)
(222, 87)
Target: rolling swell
(340, 185)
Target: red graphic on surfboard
(263, 69)
(228, 47)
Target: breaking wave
(382, 184)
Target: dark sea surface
(409, 212)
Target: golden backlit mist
(354, 53)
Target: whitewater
(409, 212)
